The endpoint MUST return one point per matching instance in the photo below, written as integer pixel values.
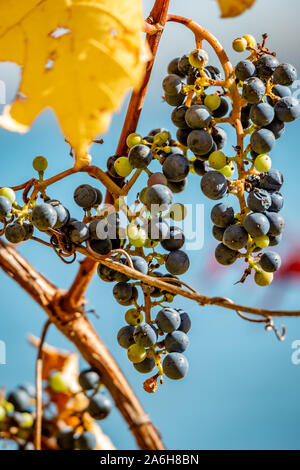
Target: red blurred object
(291, 265)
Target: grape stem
(190, 292)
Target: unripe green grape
(40, 163)
(263, 163)
(8, 407)
(178, 212)
(2, 413)
(142, 195)
(239, 44)
(198, 58)
(227, 170)
(251, 41)
(150, 243)
(262, 242)
(23, 434)
(133, 317)
(262, 278)
(8, 193)
(217, 160)
(133, 139)
(136, 353)
(161, 138)
(132, 231)
(27, 420)
(212, 101)
(137, 235)
(123, 166)
(169, 297)
(57, 383)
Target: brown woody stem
(158, 15)
(39, 390)
(75, 326)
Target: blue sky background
(242, 391)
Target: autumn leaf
(231, 8)
(78, 57)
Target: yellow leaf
(78, 57)
(231, 8)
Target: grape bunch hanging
(71, 405)
(256, 99)
(266, 105)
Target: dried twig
(39, 390)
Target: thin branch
(192, 294)
(39, 390)
(91, 170)
(74, 297)
(158, 15)
(76, 327)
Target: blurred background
(242, 390)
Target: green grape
(198, 58)
(263, 163)
(262, 242)
(8, 193)
(123, 166)
(136, 353)
(133, 139)
(161, 138)
(27, 420)
(40, 163)
(9, 407)
(137, 235)
(239, 44)
(58, 383)
(2, 413)
(169, 297)
(212, 101)
(217, 160)
(23, 434)
(134, 317)
(150, 243)
(251, 41)
(142, 195)
(227, 170)
(178, 212)
(262, 278)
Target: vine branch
(75, 326)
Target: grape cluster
(145, 347)
(148, 227)
(150, 224)
(266, 104)
(17, 411)
(150, 240)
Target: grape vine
(254, 98)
